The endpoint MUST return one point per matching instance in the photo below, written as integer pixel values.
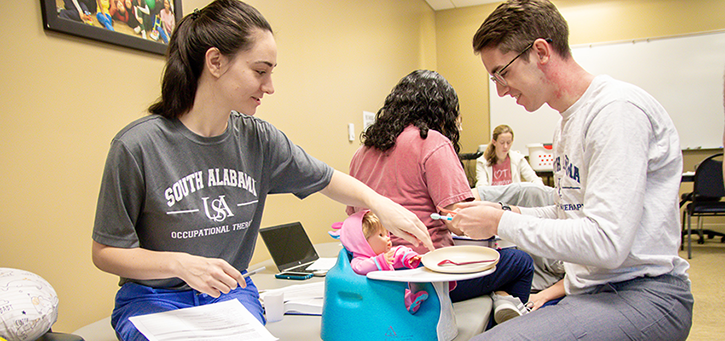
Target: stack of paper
(301, 299)
(224, 321)
(322, 264)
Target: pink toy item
(387, 258)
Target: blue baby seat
(358, 308)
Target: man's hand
(477, 219)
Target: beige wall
(63, 98)
(590, 21)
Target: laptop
(292, 250)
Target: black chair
(470, 171)
(704, 200)
(51, 336)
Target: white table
(471, 315)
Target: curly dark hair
(424, 99)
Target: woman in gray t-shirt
(183, 190)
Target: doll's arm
(405, 257)
(362, 265)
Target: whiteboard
(684, 73)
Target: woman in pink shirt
(500, 165)
(410, 155)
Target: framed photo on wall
(139, 24)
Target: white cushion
(28, 305)
(472, 316)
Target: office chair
(470, 170)
(52, 336)
(704, 200)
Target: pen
(437, 216)
(249, 273)
(253, 272)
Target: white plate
(461, 253)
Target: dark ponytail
(225, 24)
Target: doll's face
(380, 241)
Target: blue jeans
(644, 308)
(514, 272)
(135, 299)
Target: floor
(707, 273)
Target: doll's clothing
(364, 258)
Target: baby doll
(367, 239)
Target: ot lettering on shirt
(502, 173)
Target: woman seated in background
(501, 166)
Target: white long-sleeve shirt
(617, 168)
(520, 170)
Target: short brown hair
(517, 23)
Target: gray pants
(644, 308)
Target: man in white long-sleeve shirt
(617, 167)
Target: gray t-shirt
(165, 188)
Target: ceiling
(446, 4)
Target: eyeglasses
(497, 76)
